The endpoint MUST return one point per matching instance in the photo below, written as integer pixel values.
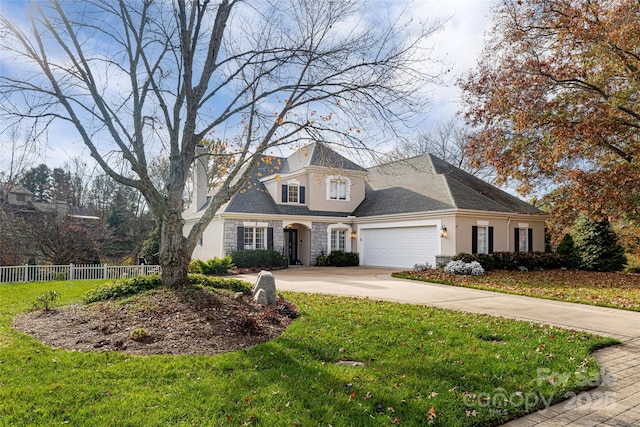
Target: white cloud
(459, 44)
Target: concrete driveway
(377, 283)
(620, 362)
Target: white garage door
(401, 247)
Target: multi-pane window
(338, 190)
(293, 193)
(254, 238)
(483, 239)
(523, 239)
(338, 239)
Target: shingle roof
(426, 183)
(419, 184)
(318, 154)
(254, 197)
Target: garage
(400, 247)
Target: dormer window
(338, 188)
(293, 192)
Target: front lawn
(422, 366)
(617, 290)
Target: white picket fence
(47, 273)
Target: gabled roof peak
(320, 155)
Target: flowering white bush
(422, 267)
(467, 268)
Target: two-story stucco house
(394, 215)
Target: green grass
(423, 365)
(616, 290)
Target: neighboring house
(396, 215)
(16, 200)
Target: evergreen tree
(597, 245)
(567, 249)
(38, 180)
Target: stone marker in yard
(267, 283)
(261, 297)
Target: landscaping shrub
(46, 301)
(343, 259)
(127, 287)
(467, 268)
(258, 258)
(567, 249)
(633, 264)
(322, 259)
(421, 267)
(514, 260)
(485, 260)
(597, 245)
(235, 285)
(216, 266)
(122, 288)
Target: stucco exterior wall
(318, 199)
(503, 232)
(211, 241)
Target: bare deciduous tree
(446, 140)
(147, 78)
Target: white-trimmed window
(293, 193)
(483, 239)
(338, 188)
(338, 239)
(523, 238)
(255, 237)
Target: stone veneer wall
(318, 240)
(231, 234)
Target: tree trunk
(174, 256)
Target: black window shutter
(490, 240)
(516, 240)
(240, 238)
(285, 193)
(301, 195)
(269, 237)
(474, 239)
(530, 231)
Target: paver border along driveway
(615, 403)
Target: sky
(458, 44)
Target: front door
(291, 242)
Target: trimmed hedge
(235, 285)
(514, 260)
(122, 288)
(215, 266)
(343, 259)
(258, 258)
(126, 287)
